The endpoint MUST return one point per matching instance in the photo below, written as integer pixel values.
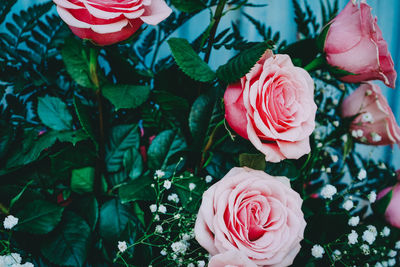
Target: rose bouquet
(121, 146)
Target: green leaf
(138, 189)
(123, 137)
(114, 217)
(17, 197)
(76, 64)
(322, 37)
(82, 180)
(337, 72)
(284, 168)
(69, 244)
(88, 208)
(167, 144)
(84, 118)
(204, 116)
(253, 161)
(54, 114)
(39, 217)
(34, 145)
(126, 96)
(188, 6)
(133, 163)
(190, 199)
(381, 205)
(303, 51)
(189, 61)
(241, 64)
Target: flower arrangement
(113, 154)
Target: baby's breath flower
(159, 229)
(376, 137)
(353, 237)
(368, 237)
(153, 207)
(362, 174)
(336, 255)
(385, 231)
(392, 262)
(201, 263)
(122, 246)
(348, 205)
(162, 209)
(397, 245)
(367, 117)
(392, 253)
(163, 252)
(167, 184)
(317, 251)
(334, 158)
(159, 173)
(173, 198)
(354, 221)
(365, 249)
(372, 197)
(208, 179)
(335, 123)
(10, 221)
(328, 191)
(192, 186)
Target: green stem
(100, 170)
(317, 63)
(217, 17)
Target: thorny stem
(217, 17)
(101, 155)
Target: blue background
(279, 15)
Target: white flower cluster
(328, 191)
(180, 247)
(317, 251)
(362, 174)
(348, 205)
(122, 246)
(161, 208)
(370, 234)
(354, 221)
(352, 237)
(372, 197)
(13, 260)
(10, 221)
(357, 133)
(173, 198)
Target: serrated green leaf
(114, 217)
(241, 64)
(84, 118)
(138, 189)
(34, 145)
(123, 137)
(82, 180)
(189, 61)
(167, 144)
(133, 163)
(39, 217)
(54, 114)
(75, 63)
(253, 161)
(126, 96)
(188, 6)
(69, 244)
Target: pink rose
(111, 21)
(392, 213)
(232, 258)
(375, 124)
(273, 106)
(255, 213)
(354, 43)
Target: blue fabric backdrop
(280, 16)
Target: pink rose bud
(112, 21)
(392, 213)
(375, 123)
(232, 258)
(273, 106)
(354, 43)
(252, 212)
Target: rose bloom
(392, 213)
(232, 258)
(375, 123)
(354, 43)
(111, 21)
(273, 106)
(255, 213)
